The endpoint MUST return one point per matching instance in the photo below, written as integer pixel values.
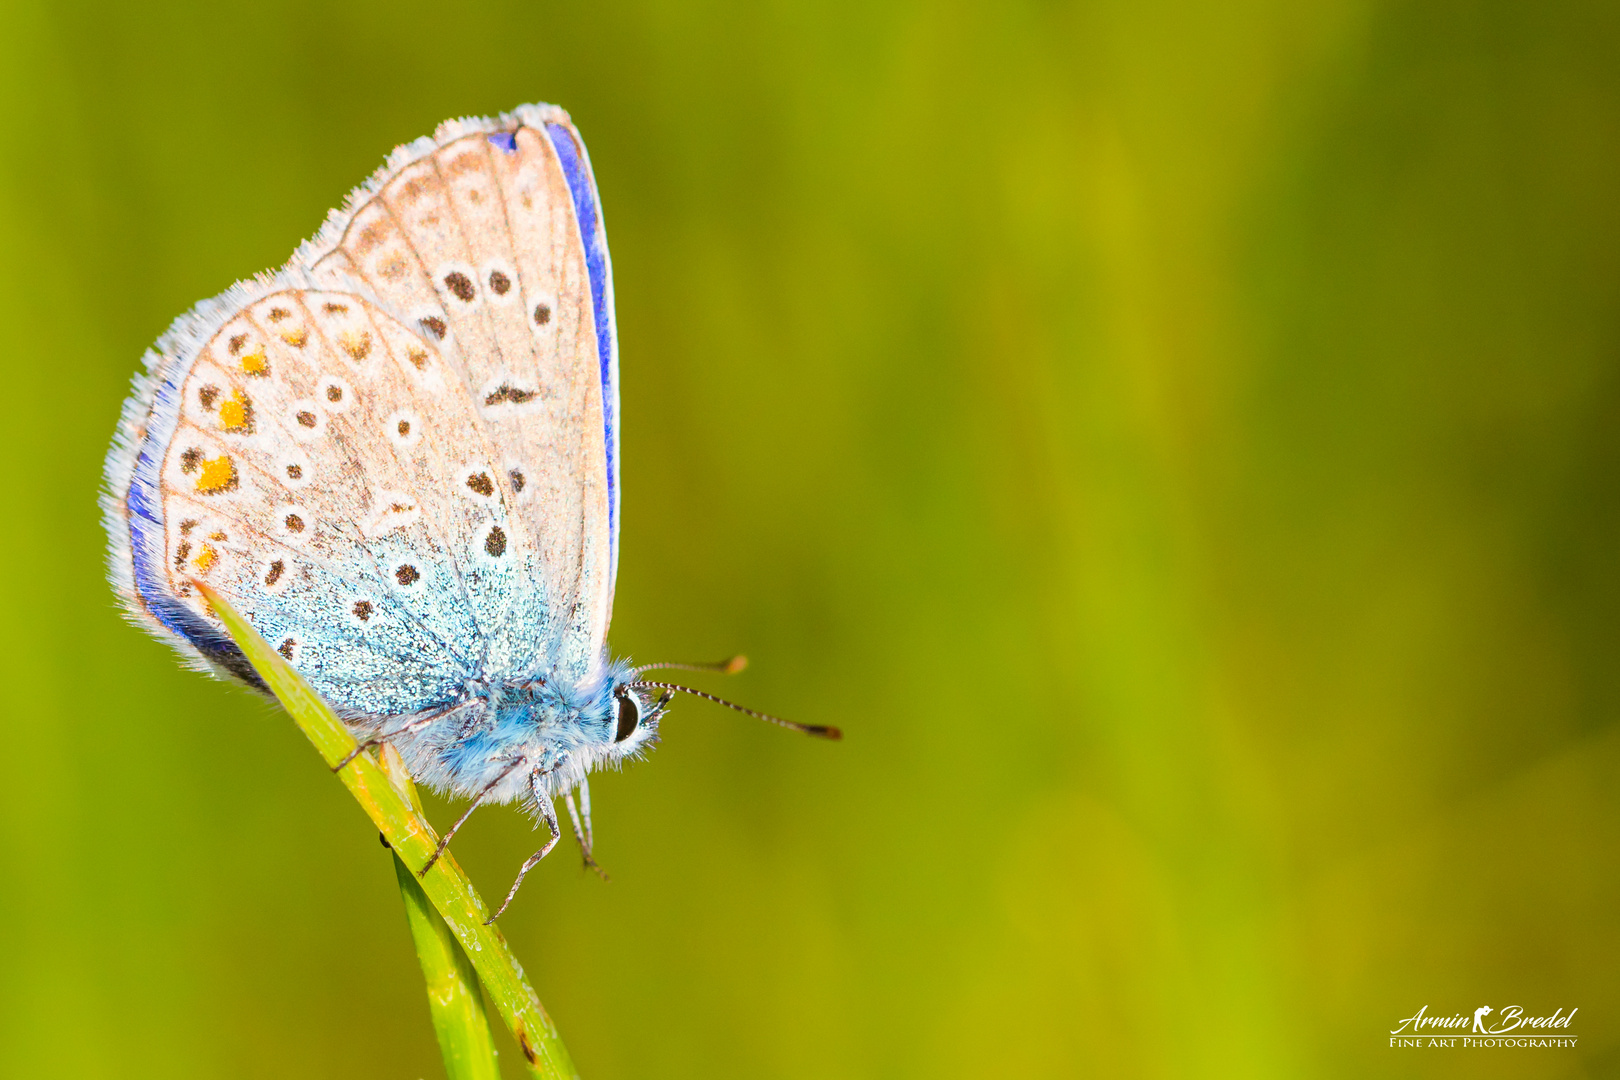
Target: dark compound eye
(629, 717)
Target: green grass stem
(454, 999)
(413, 841)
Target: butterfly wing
(488, 240)
(300, 461)
(397, 456)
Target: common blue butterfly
(398, 457)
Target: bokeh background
(1179, 443)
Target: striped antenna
(723, 667)
(824, 731)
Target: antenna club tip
(829, 732)
(736, 664)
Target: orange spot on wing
(296, 338)
(254, 362)
(206, 558)
(369, 237)
(218, 474)
(235, 411)
(356, 345)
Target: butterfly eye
(629, 717)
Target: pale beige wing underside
(331, 477)
(476, 247)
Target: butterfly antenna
(724, 667)
(825, 731)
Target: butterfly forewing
(478, 245)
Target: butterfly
(398, 457)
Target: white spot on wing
(335, 394)
(306, 421)
(403, 428)
(293, 469)
(294, 524)
(392, 510)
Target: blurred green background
(1179, 443)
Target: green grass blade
(413, 841)
(454, 999)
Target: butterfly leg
(444, 841)
(372, 744)
(543, 801)
(409, 729)
(585, 808)
(583, 834)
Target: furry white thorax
(520, 735)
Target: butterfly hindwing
(306, 480)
